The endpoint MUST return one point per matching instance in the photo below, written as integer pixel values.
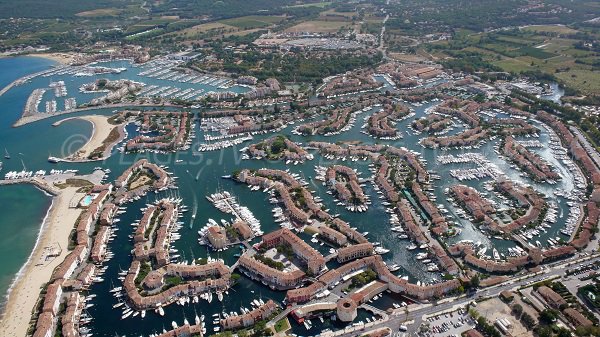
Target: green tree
(562, 332)
(474, 281)
(528, 321)
(517, 309)
(543, 331)
(548, 316)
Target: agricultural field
(331, 14)
(147, 24)
(195, 31)
(253, 21)
(560, 29)
(551, 50)
(62, 9)
(315, 4)
(581, 79)
(317, 26)
(102, 12)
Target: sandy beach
(54, 236)
(62, 58)
(101, 131)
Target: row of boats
(223, 144)
(168, 73)
(227, 203)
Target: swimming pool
(86, 201)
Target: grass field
(535, 52)
(318, 26)
(527, 51)
(584, 80)
(203, 28)
(282, 325)
(253, 21)
(551, 29)
(406, 57)
(513, 65)
(332, 12)
(146, 24)
(316, 4)
(100, 13)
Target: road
(417, 313)
(381, 46)
(586, 145)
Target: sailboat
(6, 154)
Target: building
(346, 309)
(576, 318)
(243, 229)
(250, 318)
(217, 237)
(354, 252)
(314, 261)
(551, 297)
(333, 236)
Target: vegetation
(145, 268)
(172, 281)
(527, 320)
(282, 325)
(59, 9)
(112, 137)
(486, 328)
(538, 54)
(74, 182)
(220, 9)
(591, 294)
(269, 262)
(363, 278)
(300, 67)
(419, 17)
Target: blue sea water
(23, 207)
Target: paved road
(586, 145)
(416, 314)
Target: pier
(48, 183)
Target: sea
(198, 175)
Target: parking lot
(581, 271)
(451, 324)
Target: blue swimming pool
(86, 201)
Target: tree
(587, 331)
(474, 281)
(278, 145)
(543, 331)
(548, 316)
(528, 321)
(562, 332)
(517, 309)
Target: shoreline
(49, 251)
(61, 58)
(21, 272)
(24, 293)
(101, 130)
